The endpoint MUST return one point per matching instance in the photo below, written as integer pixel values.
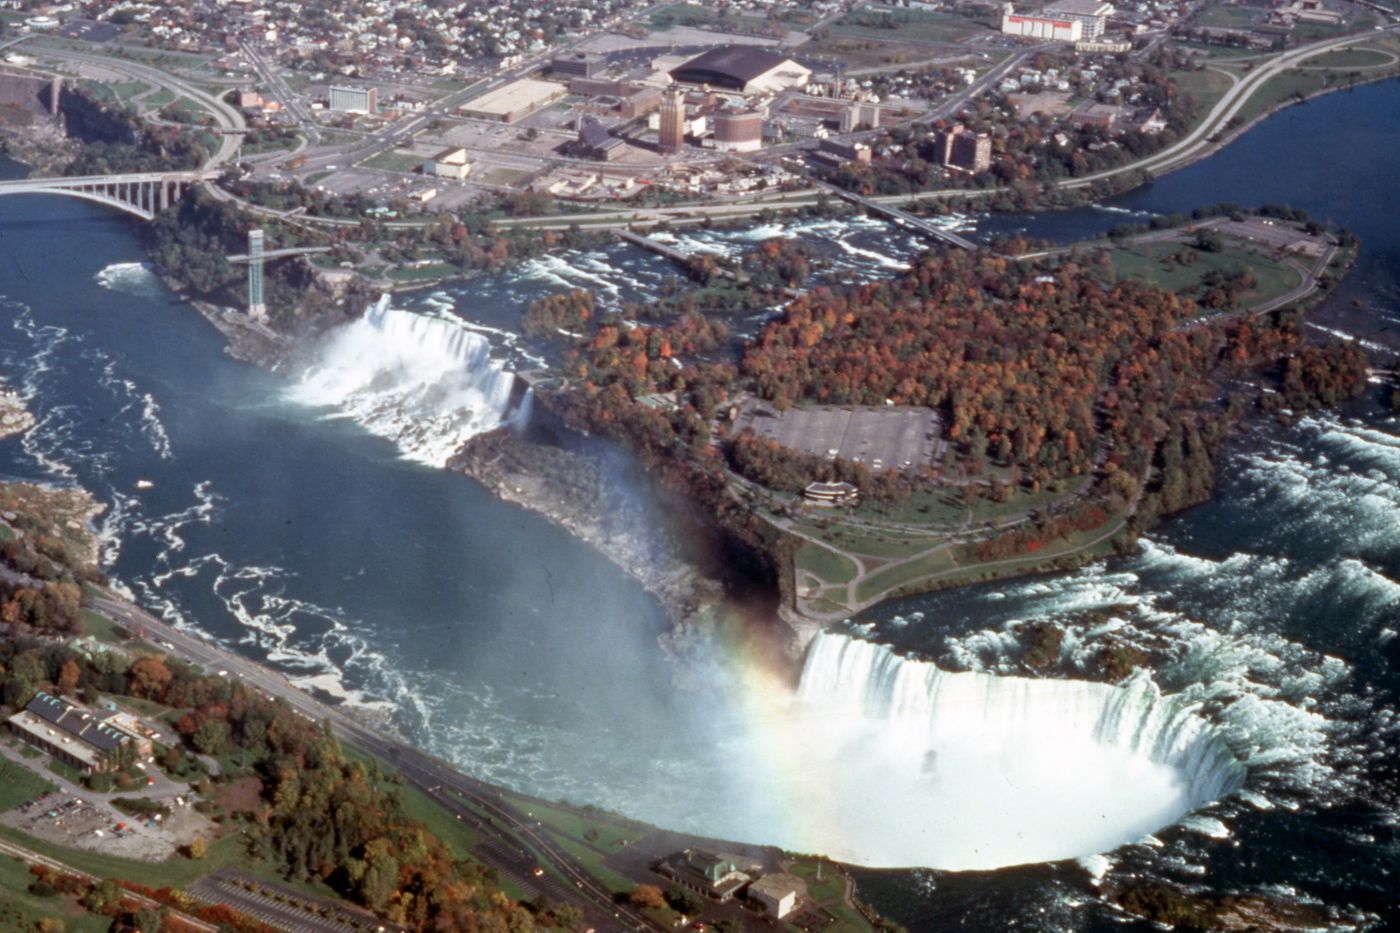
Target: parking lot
(880, 438)
(283, 907)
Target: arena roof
(733, 67)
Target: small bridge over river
(906, 219)
(143, 194)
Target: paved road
(226, 116)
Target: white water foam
(426, 383)
(908, 764)
(131, 278)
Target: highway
(444, 784)
(228, 117)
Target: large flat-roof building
(449, 163)
(354, 99)
(1092, 15)
(743, 68)
(71, 733)
(1061, 21)
(578, 65)
(514, 101)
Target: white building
(1054, 28)
(449, 163)
(1091, 14)
(778, 894)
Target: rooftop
(1081, 7)
(742, 62)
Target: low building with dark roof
(71, 733)
(595, 141)
(744, 68)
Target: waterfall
(971, 770)
(426, 383)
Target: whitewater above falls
(425, 383)
(896, 763)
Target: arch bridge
(143, 194)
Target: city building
(744, 68)
(860, 115)
(353, 99)
(1092, 15)
(449, 163)
(514, 101)
(73, 734)
(595, 142)
(640, 103)
(578, 65)
(845, 152)
(1057, 29)
(738, 130)
(670, 136)
(715, 876)
(964, 151)
(1092, 113)
(778, 894)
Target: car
(537, 871)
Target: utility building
(738, 130)
(449, 163)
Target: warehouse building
(74, 734)
(743, 68)
(1092, 15)
(449, 163)
(514, 101)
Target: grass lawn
(605, 832)
(19, 785)
(895, 577)
(1223, 16)
(926, 25)
(101, 628)
(20, 910)
(1349, 58)
(1149, 262)
(1206, 86)
(394, 160)
(824, 563)
(65, 770)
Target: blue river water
(498, 640)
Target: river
(290, 531)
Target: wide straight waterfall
(426, 383)
(971, 770)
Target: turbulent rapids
(426, 383)
(926, 767)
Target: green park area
(1192, 272)
(880, 22)
(394, 160)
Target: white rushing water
(968, 770)
(426, 383)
